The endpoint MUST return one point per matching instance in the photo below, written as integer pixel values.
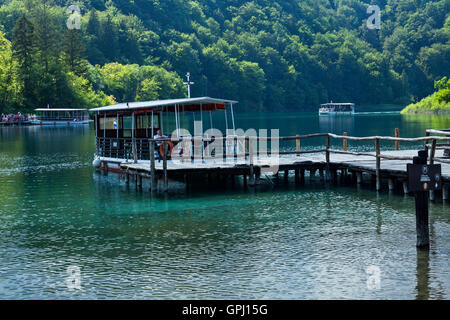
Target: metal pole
(166, 180)
(152, 165)
(232, 119)
(378, 168)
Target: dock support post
(245, 180)
(286, 176)
(405, 187)
(166, 178)
(358, 178)
(127, 178)
(152, 166)
(302, 176)
(297, 176)
(377, 147)
(432, 195)
(445, 188)
(258, 176)
(344, 142)
(139, 177)
(391, 184)
(397, 135)
(322, 178)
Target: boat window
(127, 125)
(142, 122)
(109, 123)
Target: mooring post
(297, 142)
(377, 147)
(397, 135)
(421, 199)
(166, 180)
(344, 142)
(152, 166)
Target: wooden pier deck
(395, 168)
(387, 169)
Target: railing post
(152, 166)
(134, 147)
(166, 180)
(327, 159)
(344, 142)
(433, 151)
(427, 134)
(252, 171)
(397, 135)
(378, 178)
(297, 142)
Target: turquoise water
(282, 242)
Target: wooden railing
(243, 147)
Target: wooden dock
(386, 169)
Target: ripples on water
(310, 242)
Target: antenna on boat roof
(188, 83)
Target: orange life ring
(161, 149)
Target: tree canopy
(268, 54)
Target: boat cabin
(117, 126)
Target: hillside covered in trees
(268, 54)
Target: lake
(67, 232)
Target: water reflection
(337, 124)
(423, 274)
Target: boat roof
(162, 103)
(50, 109)
(338, 104)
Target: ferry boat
(337, 109)
(118, 127)
(61, 117)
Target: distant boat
(61, 117)
(337, 109)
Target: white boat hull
(60, 123)
(333, 113)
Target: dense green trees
(270, 55)
(438, 102)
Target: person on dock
(158, 136)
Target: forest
(271, 55)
